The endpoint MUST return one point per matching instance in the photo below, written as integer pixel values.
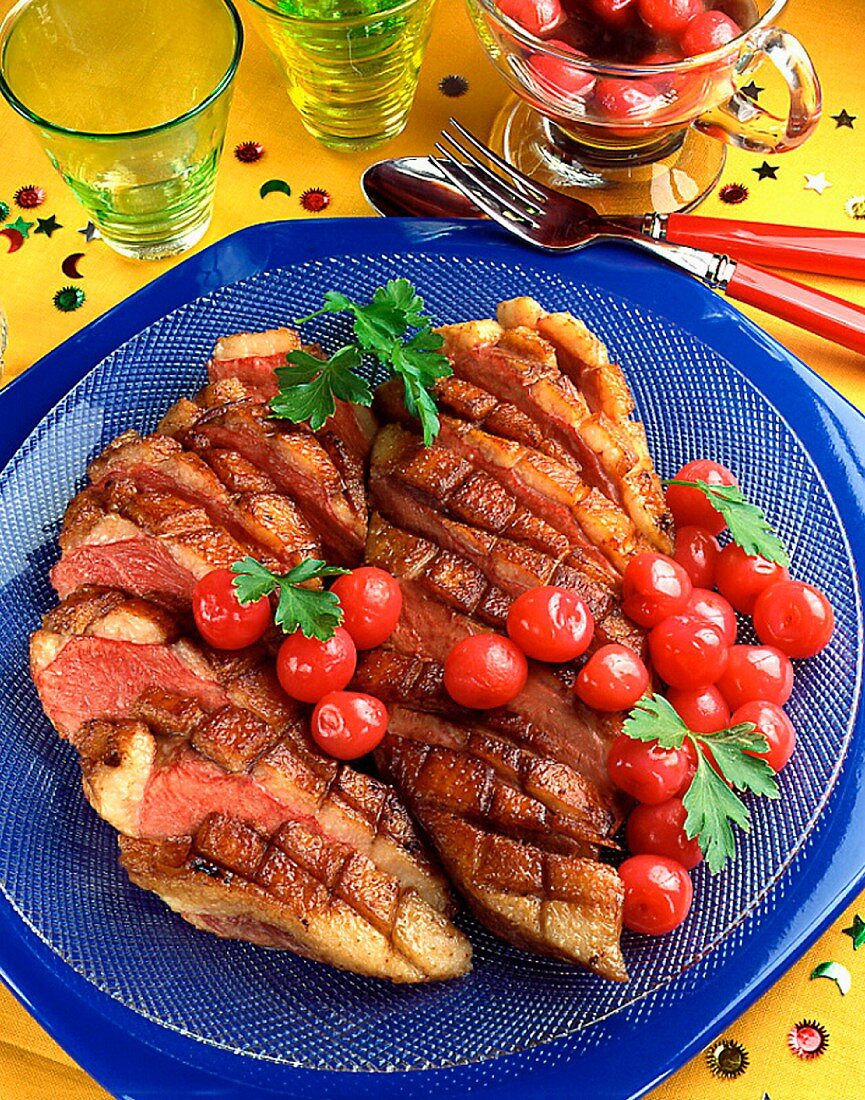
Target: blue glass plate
(152, 1007)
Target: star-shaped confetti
(844, 119)
(751, 91)
(4, 211)
(817, 183)
(90, 233)
(47, 225)
(22, 226)
(856, 932)
(766, 171)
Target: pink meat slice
(183, 790)
(140, 565)
(92, 677)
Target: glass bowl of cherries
(635, 98)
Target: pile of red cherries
(345, 724)
(639, 32)
(713, 682)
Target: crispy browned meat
(519, 366)
(298, 888)
(584, 359)
(252, 358)
(169, 733)
(150, 544)
(268, 521)
(321, 474)
(431, 492)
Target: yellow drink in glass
(351, 65)
(130, 100)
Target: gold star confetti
(817, 183)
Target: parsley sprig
(313, 611)
(713, 808)
(747, 522)
(395, 328)
(308, 387)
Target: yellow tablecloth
(32, 1067)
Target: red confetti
(248, 152)
(29, 197)
(315, 200)
(808, 1039)
(733, 193)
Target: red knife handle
(823, 251)
(828, 316)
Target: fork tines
(506, 200)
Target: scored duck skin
(519, 366)
(539, 473)
(323, 477)
(584, 359)
(252, 358)
(161, 762)
(149, 544)
(461, 509)
(299, 889)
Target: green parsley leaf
(748, 524)
(731, 748)
(856, 932)
(711, 807)
(381, 328)
(308, 386)
(653, 719)
(313, 611)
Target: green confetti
(836, 973)
(856, 932)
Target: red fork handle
(828, 316)
(799, 248)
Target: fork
(546, 219)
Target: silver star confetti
(90, 233)
(817, 183)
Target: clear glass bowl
(633, 129)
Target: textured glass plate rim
(50, 990)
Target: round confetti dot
(69, 298)
(733, 193)
(854, 207)
(727, 1058)
(808, 1039)
(315, 200)
(248, 152)
(29, 197)
(453, 86)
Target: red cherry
(708, 31)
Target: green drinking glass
(130, 101)
(351, 65)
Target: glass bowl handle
(742, 122)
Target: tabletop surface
(31, 1065)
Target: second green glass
(351, 67)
